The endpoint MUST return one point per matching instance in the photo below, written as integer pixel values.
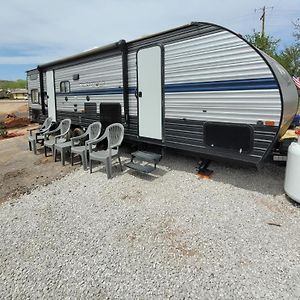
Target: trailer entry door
(149, 62)
(51, 95)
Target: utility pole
(263, 18)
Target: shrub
(3, 131)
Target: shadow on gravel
(268, 180)
(294, 203)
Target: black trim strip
(125, 81)
(42, 91)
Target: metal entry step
(140, 168)
(145, 156)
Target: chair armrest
(52, 131)
(59, 136)
(44, 130)
(79, 137)
(32, 129)
(89, 143)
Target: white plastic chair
(36, 135)
(63, 129)
(93, 132)
(114, 134)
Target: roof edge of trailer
(32, 70)
(83, 54)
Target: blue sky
(34, 31)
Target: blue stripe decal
(226, 85)
(109, 91)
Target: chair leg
(120, 163)
(72, 158)
(30, 148)
(108, 168)
(34, 147)
(90, 164)
(62, 156)
(54, 152)
(84, 160)
(45, 149)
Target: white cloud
(59, 28)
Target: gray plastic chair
(93, 132)
(114, 134)
(58, 135)
(38, 136)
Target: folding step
(140, 168)
(146, 156)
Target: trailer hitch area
(202, 169)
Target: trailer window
(65, 87)
(33, 76)
(35, 96)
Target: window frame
(37, 96)
(33, 76)
(65, 87)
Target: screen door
(150, 92)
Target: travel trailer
(200, 88)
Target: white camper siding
(100, 79)
(132, 83)
(245, 107)
(79, 100)
(215, 57)
(219, 57)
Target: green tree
(297, 31)
(6, 84)
(266, 43)
(289, 58)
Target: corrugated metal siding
(79, 100)
(218, 57)
(94, 76)
(132, 82)
(224, 106)
(107, 72)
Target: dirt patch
(19, 108)
(14, 132)
(21, 170)
(12, 174)
(12, 121)
(174, 236)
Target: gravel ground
(170, 235)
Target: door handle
(140, 94)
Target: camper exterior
(200, 88)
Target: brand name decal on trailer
(92, 84)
